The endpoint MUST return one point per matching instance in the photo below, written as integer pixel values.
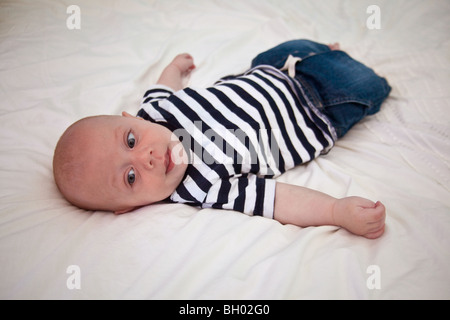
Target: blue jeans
(342, 88)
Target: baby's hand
(185, 63)
(176, 74)
(360, 216)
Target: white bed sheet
(51, 76)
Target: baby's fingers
(375, 215)
(375, 234)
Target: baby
(221, 147)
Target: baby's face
(131, 162)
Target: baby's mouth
(168, 161)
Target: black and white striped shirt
(241, 132)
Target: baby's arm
(306, 207)
(176, 74)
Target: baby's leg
(348, 89)
(360, 216)
(277, 56)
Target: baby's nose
(149, 158)
(146, 158)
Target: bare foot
(360, 216)
(334, 46)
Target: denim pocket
(338, 79)
(348, 90)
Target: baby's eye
(131, 140)
(131, 177)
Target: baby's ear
(127, 115)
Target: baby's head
(117, 163)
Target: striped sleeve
(156, 92)
(150, 109)
(246, 193)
